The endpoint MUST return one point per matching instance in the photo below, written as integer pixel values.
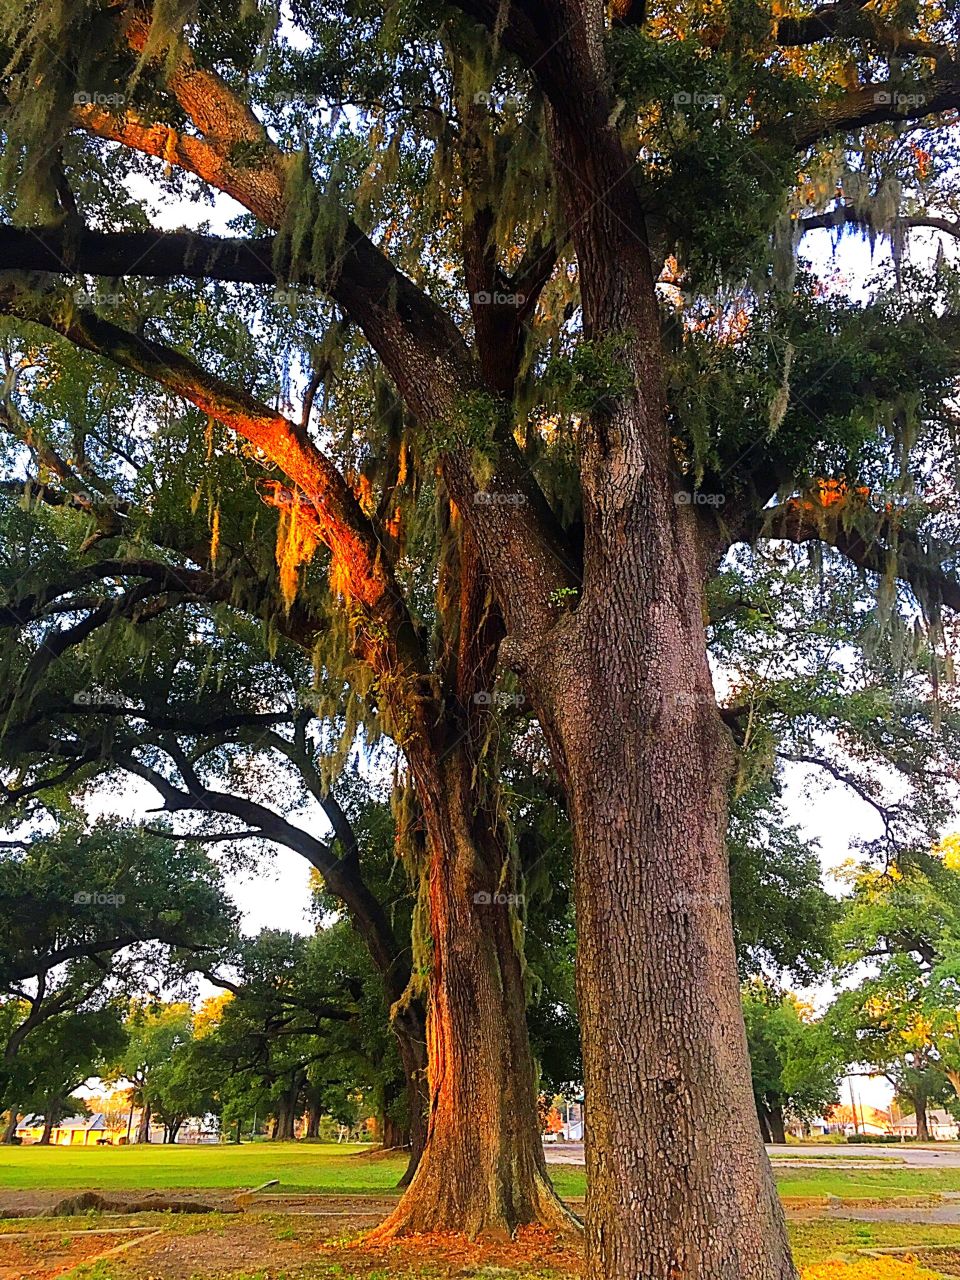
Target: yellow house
(75, 1131)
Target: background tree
(90, 914)
(794, 1060)
(157, 1035)
(62, 1054)
(902, 921)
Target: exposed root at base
(413, 1220)
(530, 1245)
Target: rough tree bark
(47, 1131)
(483, 1168)
(143, 1127)
(678, 1183)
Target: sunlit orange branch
(420, 345)
(360, 568)
(260, 190)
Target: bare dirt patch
(32, 1203)
(299, 1242)
(47, 1255)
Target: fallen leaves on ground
(869, 1269)
(532, 1246)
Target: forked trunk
(483, 1169)
(679, 1186)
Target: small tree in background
(795, 1061)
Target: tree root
(92, 1201)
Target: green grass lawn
(337, 1169)
(874, 1184)
(342, 1169)
(352, 1171)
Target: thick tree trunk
(393, 1132)
(393, 1135)
(483, 1169)
(47, 1131)
(313, 1120)
(679, 1186)
(143, 1128)
(678, 1183)
(778, 1130)
(10, 1132)
(286, 1115)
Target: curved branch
(360, 562)
(799, 520)
(341, 875)
(885, 102)
(850, 215)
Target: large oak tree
(519, 155)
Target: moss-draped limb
(869, 541)
(419, 344)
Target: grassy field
(347, 1170)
